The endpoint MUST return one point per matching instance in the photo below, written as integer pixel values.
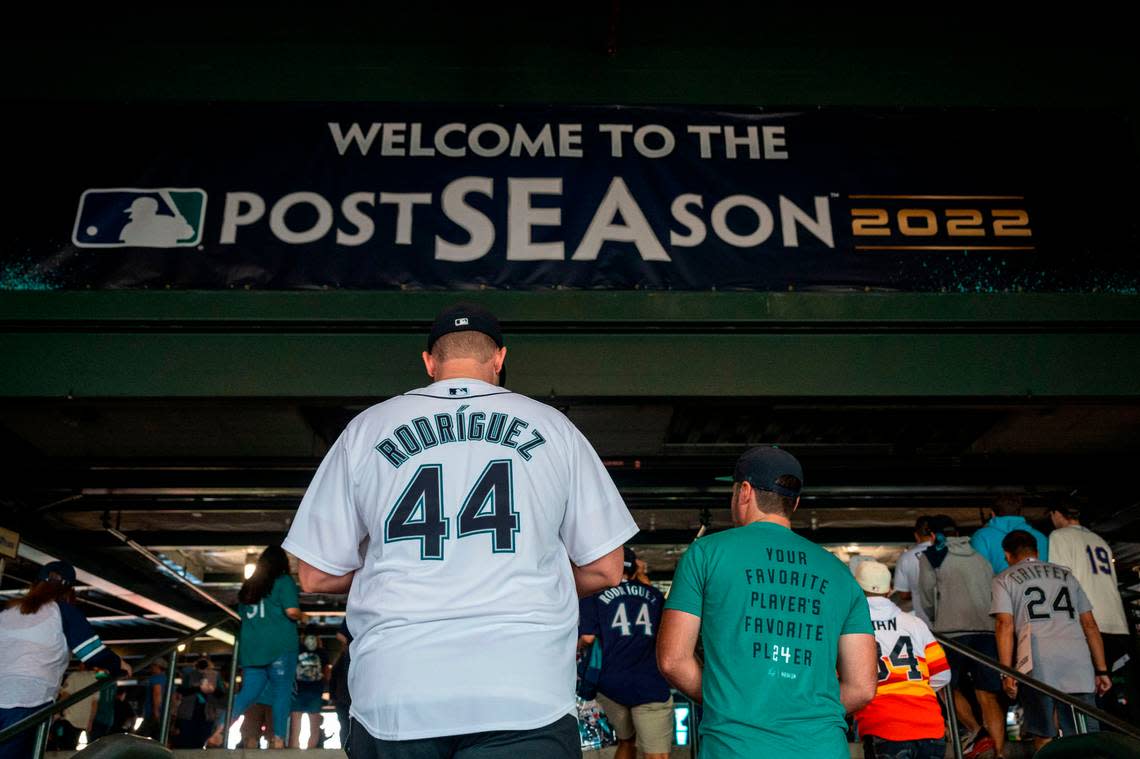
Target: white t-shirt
(460, 506)
(906, 576)
(35, 656)
(1090, 559)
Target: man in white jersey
(461, 518)
(1091, 561)
(1042, 607)
(906, 570)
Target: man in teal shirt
(1005, 518)
(789, 647)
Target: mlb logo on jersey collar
(458, 391)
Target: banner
(384, 196)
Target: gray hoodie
(954, 585)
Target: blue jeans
(275, 681)
(19, 747)
(880, 748)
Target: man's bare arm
(314, 580)
(858, 670)
(1096, 650)
(676, 652)
(1003, 633)
(600, 574)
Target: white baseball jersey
(1046, 603)
(906, 576)
(1090, 559)
(460, 507)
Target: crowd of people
(285, 678)
(474, 575)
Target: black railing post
(952, 713)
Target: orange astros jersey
(912, 666)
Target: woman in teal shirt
(269, 608)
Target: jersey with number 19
(1089, 557)
(460, 507)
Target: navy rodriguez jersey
(625, 619)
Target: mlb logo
(462, 321)
(458, 391)
(132, 217)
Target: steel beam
(27, 551)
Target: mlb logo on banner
(132, 217)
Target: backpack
(309, 669)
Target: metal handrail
(45, 713)
(1067, 699)
(141, 550)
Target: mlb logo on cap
(463, 322)
(132, 217)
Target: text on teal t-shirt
(266, 633)
(772, 606)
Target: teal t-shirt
(772, 606)
(266, 633)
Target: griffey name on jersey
(1035, 571)
(461, 426)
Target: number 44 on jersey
(488, 508)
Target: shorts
(983, 677)
(1039, 711)
(307, 701)
(652, 723)
(558, 740)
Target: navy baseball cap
(65, 571)
(629, 559)
(464, 317)
(762, 466)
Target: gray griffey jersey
(1047, 600)
(460, 506)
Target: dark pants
(875, 747)
(343, 718)
(558, 740)
(19, 747)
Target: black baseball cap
(762, 466)
(65, 571)
(629, 560)
(465, 317)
